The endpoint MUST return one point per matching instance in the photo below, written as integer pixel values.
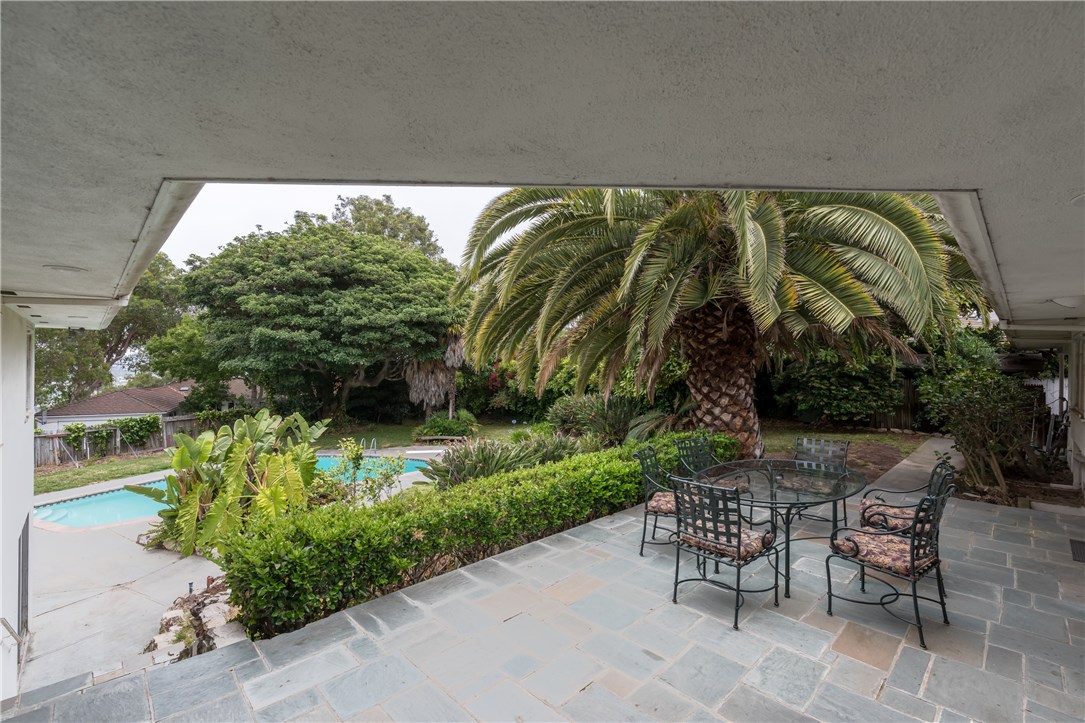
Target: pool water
(409, 465)
(107, 508)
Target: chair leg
(918, 620)
(677, 561)
(776, 580)
(941, 594)
(862, 579)
(655, 524)
(738, 592)
(829, 586)
(644, 532)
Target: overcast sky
(225, 210)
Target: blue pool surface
(101, 509)
(107, 508)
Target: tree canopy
(320, 309)
(381, 217)
(729, 277)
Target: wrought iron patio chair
(713, 528)
(695, 454)
(878, 513)
(658, 496)
(908, 554)
(822, 455)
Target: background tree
(381, 217)
(67, 364)
(184, 352)
(729, 277)
(72, 364)
(319, 310)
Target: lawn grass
(779, 436)
(66, 478)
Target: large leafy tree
(606, 276)
(381, 217)
(319, 310)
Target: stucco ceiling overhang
(114, 113)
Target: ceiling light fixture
(65, 268)
(1078, 200)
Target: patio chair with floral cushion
(658, 496)
(878, 513)
(713, 527)
(908, 554)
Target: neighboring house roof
(146, 400)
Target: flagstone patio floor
(578, 626)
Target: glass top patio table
(785, 483)
(787, 487)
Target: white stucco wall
(16, 477)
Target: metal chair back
(941, 476)
(708, 512)
(695, 453)
(925, 525)
(822, 451)
(655, 477)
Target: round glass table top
(785, 482)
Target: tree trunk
(722, 353)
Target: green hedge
(288, 572)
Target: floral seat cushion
(729, 482)
(662, 503)
(888, 552)
(876, 513)
(749, 543)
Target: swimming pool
(108, 508)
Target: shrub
(75, 433)
(610, 419)
(137, 430)
(485, 457)
(464, 425)
(290, 571)
(829, 388)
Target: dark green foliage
(137, 430)
(463, 425)
(318, 311)
(289, 572)
(830, 388)
(989, 414)
(484, 457)
(609, 419)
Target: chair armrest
(867, 492)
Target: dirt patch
(870, 459)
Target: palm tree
(613, 276)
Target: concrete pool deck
(97, 596)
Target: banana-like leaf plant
(263, 465)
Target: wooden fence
(905, 415)
(52, 449)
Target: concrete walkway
(579, 627)
(97, 596)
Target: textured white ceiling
(102, 102)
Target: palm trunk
(722, 354)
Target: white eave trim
(173, 199)
(964, 214)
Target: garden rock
(197, 623)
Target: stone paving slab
(580, 627)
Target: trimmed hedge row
(291, 571)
